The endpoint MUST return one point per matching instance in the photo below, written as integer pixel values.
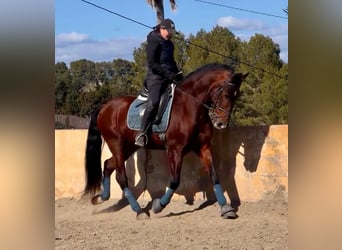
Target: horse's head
(223, 98)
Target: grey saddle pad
(135, 113)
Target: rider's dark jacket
(160, 59)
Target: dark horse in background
(202, 102)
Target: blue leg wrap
(106, 188)
(219, 195)
(132, 201)
(166, 197)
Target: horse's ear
(239, 77)
(243, 76)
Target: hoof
(142, 216)
(156, 207)
(96, 200)
(228, 212)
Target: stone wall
(251, 161)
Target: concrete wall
(251, 161)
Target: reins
(179, 87)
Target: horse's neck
(199, 89)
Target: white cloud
(247, 28)
(240, 24)
(74, 46)
(279, 29)
(73, 37)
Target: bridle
(217, 95)
(212, 109)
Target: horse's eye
(237, 93)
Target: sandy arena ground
(112, 225)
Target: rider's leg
(155, 90)
(146, 122)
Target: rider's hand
(174, 77)
(170, 75)
(179, 77)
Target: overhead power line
(234, 60)
(187, 41)
(235, 8)
(112, 12)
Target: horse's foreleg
(159, 204)
(175, 166)
(206, 158)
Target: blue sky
(83, 31)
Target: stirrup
(141, 140)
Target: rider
(162, 70)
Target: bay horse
(202, 101)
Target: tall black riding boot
(146, 122)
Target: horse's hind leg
(121, 178)
(109, 167)
(107, 172)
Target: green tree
(140, 65)
(114, 78)
(224, 42)
(181, 47)
(123, 76)
(196, 54)
(274, 92)
(62, 81)
(219, 46)
(103, 72)
(264, 99)
(84, 72)
(83, 77)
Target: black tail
(93, 157)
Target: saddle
(164, 99)
(137, 108)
